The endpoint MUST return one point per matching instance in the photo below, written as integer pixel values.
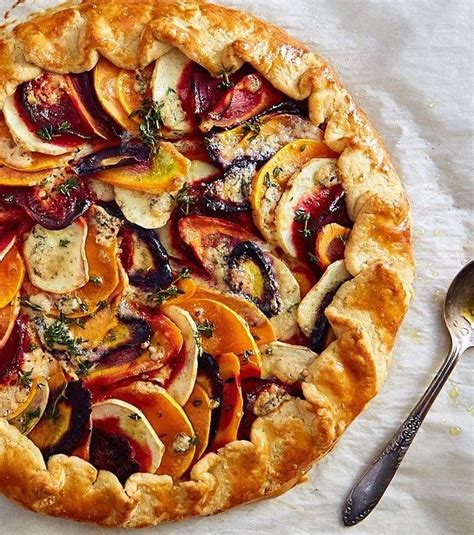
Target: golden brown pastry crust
(365, 313)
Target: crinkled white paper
(409, 66)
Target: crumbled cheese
(269, 400)
(183, 443)
(106, 225)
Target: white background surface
(409, 65)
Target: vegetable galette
(205, 256)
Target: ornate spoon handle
(371, 486)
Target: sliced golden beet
(8, 315)
(65, 422)
(270, 182)
(12, 273)
(330, 244)
(232, 400)
(95, 328)
(165, 172)
(105, 82)
(133, 87)
(198, 410)
(14, 157)
(187, 287)
(167, 419)
(259, 325)
(222, 330)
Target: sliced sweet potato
(232, 400)
(8, 315)
(258, 323)
(223, 330)
(270, 182)
(12, 273)
(165, 172)
(198, 410)
(167, 419)
(106, 86)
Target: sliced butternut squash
(223, 330)
(106, 86)
(167, 419)
(30, 412)
(12, 273)
(198, 410)
(259, 325)
(95, 328)
(133, 87)
(102, 259)
(232, 400)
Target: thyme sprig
(226, 83)
(57, 334)
(185, 200)
(160, 296)
(206, 328)
(49, 132)
(301, 216)
(68, 186)
(24, 378)
(151, 122)
(253, 126)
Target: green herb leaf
(69, 185)
(185, 200)
(151, 123)
(49, 132)
(226, 83)
(206, 328)
(134, 416)
(64, 243)
(28, 419)
(24, 378)
(301, 216)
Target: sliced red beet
(327, 206)
(252, 95)
(127, 153)
(11, 354)
(12, 223)
(44, 103)
(83, 89)
(112, 452)
(55, 210)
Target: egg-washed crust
(365, 313)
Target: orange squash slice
(12, 273)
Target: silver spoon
(459, 319)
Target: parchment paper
(409, 66)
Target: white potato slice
(56, 259)
(24, 136)
(285, 323)
(303, 184)
(199, 170)
(134, 424)
(312, 303)
(181, 385)
(168, 71)
(145, 209)
(104, 192)
(286, 362)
